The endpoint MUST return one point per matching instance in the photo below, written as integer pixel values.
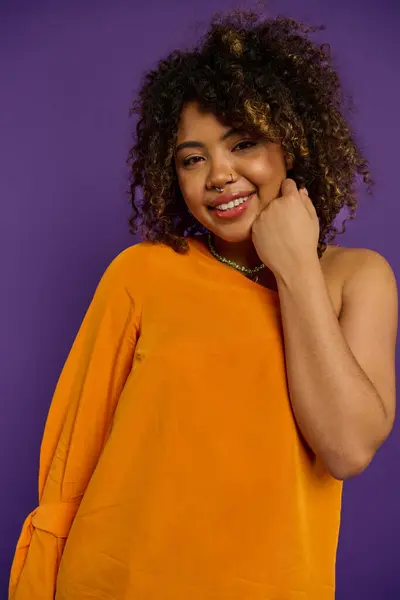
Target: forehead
(195, 122)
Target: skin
(341, 310)
(241, 162)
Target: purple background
(68, 71)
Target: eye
(247, 144)
(191, 160)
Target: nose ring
(215, 187)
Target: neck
(242, 253)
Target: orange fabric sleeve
(77, 426)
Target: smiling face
(210, 154)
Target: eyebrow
(194, 144)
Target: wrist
(302, 274)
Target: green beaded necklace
(250, 273)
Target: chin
(233, 235)
(236, 231)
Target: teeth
(233, 203)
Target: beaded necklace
(250, 273)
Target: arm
(341, 373)
(77, 426)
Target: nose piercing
(215, 187)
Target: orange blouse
(171, 465)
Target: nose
(219, 180)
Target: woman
(233, 368)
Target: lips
(230, 198)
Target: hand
(285, 234)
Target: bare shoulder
(364, 276)
(350, 273)
(351, 264)
(368, 317)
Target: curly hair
(259, 74)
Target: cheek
(191, 189)
(267, 170)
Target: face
(210, 154)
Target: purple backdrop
(68, 70)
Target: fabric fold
(77, 428)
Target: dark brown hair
(253, 73)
